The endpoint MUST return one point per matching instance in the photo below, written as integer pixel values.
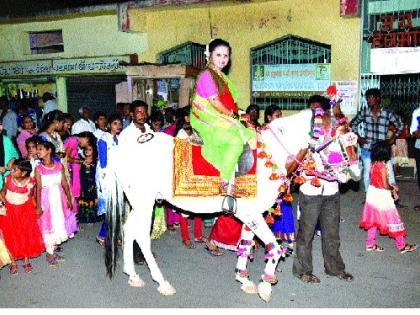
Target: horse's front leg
(142, 236)
(257, 224)
(244, 252)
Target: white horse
(145, 174)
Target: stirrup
(229, 205)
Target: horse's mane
(287, 135)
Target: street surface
(382, 280)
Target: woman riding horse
(215, 115)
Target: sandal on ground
(100, 241)
(375, 248)
(188, 244)
(59, 258)
(342, 276)
(214, 251)
(201, 240)
(27, 267)
(13, 269)
(309, 278)
(408, 248)
(171, 228)
(58, 248)
(51, 262)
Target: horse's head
(342, 154)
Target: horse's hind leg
(257, 224)
(129, 236)
(244, 252)
(142, 236)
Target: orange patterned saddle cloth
(195, 177)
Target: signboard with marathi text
(395, 60)
(290, 80)
(347, 92)
(64, 66)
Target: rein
(315, 173)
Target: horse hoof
(264, 291)
(136, 282)
(166, 289)
(249, 288)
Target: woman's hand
(39, 212)
(2, 170)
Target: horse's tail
(114, 213)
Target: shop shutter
(97, 92)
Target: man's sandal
(309, 278)
(375, 248)
(342, 276)
(408, 248)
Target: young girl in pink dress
(380, 211)
(56, 220)
(20, 229)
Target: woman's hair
(269, 111)
(24, 116)
(34, 139)
(47, 145)
(381, 151)
(49, 118)
(87, 134)
(219, 42)
(113, 117)
(24, 166)
(67, 116)
(157, 116)
(180, 117)
(251, 107)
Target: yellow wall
(83, 36)
(248, 25)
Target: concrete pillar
(61, 85)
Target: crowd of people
(57, 179)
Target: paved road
(386, 279)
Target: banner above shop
(102, 65)
(395, 60)
(283, 79)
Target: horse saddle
(196, 177)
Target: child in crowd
(88, 200)
(380, 210)
(68, 123)
(32, 155)
(56, 221)
(28, 130)
(20, 229)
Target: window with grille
(191, 54)
(47, 42)
(287, 71)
